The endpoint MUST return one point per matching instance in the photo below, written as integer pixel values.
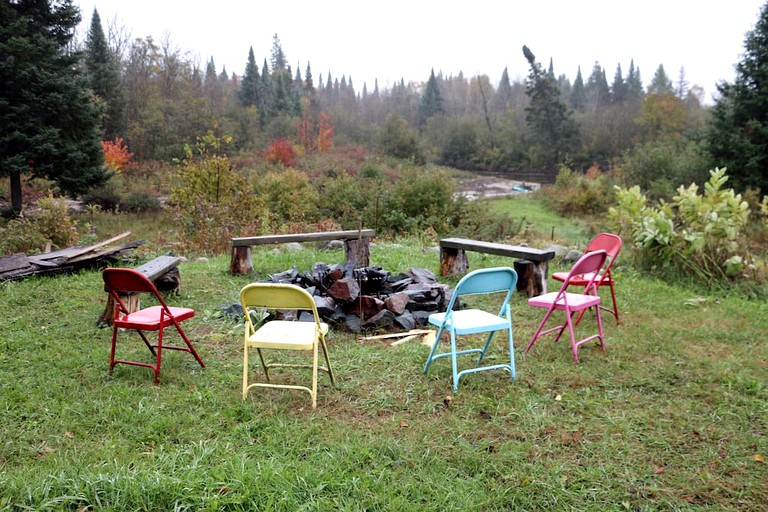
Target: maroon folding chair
(120, 282)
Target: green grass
(671, 417)
(547, 224)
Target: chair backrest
(276, 296)
(608, 242)
(590, 263)
(486, 280)
(127, 280)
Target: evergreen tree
(738, 132)
(578, 93)
(634, 82)
(431, 101)
(49, 119)
(250, 84)
(619, 87)
(309, 86)
(104, 79)
(503, 96)
(661, 84)
(551, 123)
(279, 60)
(596, 88)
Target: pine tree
(661, 84)
(738, 130)
(279, 60)
(578, 93)
(49, 119)
(634, 82)
(597, 91)
(431, 101)
(104, 79)
(619, 87)
(503, 95)
(554, 130)
(250, 84)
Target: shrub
(107, 197)
(280, 151)
(49, 223)
(289, 195)
(136, 202)
(699, 235)
(580, 194)
(212, 203)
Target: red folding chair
(124, 281)
(572, 303)
(612, 245)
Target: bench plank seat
(532, 264)
(356, 246)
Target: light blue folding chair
(474, 321)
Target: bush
(697, 235)
(107, 197)
(580, 194)
(136, 202)
(212, 203)
(49, 223)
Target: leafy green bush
(213, 203)
(107, 197)
(140, 202)
(289, 196)
(659, 167)
(49, 223)
(698, 235)
(575, 193)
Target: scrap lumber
(69, 259)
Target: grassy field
(673, 416)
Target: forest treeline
(67, 104)
(160, 100)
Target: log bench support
(356, 246)
(532, 265)
(163, 271)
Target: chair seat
(576, 301)
(581, 279)
(282, 334)
(148, 319)
(470, 321)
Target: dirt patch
(487, 187)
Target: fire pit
(369, 297)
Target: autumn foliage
(315, 136)
(280, 151)
(116, 154)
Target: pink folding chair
(611, 244)
(572, 303)
(121, 281)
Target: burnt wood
(356, 246)
(533, 281)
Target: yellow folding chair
(283, 334)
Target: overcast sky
(396, 39)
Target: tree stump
(241, 260)
(453, 262)
(359, 251)
(531, 278)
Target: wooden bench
(356, 246)
(163, 271)
(532, 265)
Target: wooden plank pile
(16, 266)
